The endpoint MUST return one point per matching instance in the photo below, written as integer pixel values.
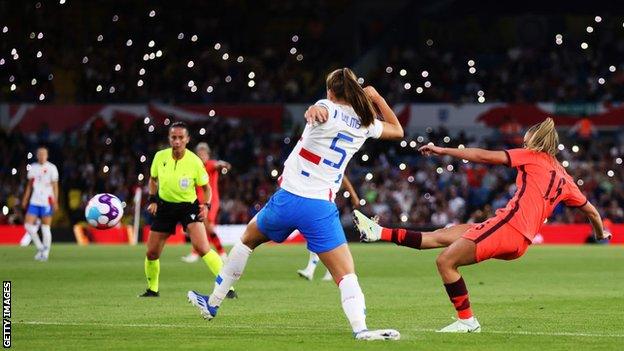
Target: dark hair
(179, 125)
(343, 83)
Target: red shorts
(496, 240)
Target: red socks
(458, 294)
(402, 237)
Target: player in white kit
(337, 127)
(42, 191)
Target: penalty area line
(157, 325)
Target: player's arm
(152, 189)
(207, 193)
(470, 154)
(596, 221)
(55, 190)
(223, 164)
(355, 199)
(205, 207)
(316, 113)
(27, 193)
(392, 128)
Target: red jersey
(542, 183)
(213, 182)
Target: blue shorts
(39, 211)
(317, 220)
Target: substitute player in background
(542, 183)
(313, 260)
(174, 173)
(213, 167)
(337, 128)
(42, 190)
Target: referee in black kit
(174, 175)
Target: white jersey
(42, 176)
(315, 167)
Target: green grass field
(84, 298)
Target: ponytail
(543, 137)
(343, 84)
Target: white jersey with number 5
(315, 167)
(42, 176)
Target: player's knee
(444, 262)
(201, 249)
(252, 237)
(152, 255)
(249, 241)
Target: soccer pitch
(84, 298)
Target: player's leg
(155, 244)
(324, 234)
(46, 235)
(210, 257)
(26, 239)
(230, 273)
(371, 231)
(273, 222)
(212, 233)
(31, 228)
(213, 240)
(339, 263)
(308, 272)
(237, 260)
(462, 252)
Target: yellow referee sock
(152, 271)
(213, 261)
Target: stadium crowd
(392, 179)
(167, 58)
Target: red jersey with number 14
(542, 183)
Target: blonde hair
(543, 137)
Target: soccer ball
(104, 211)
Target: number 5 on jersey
(342, 152)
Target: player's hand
(203, 212)
(24, 205)
(152, 208)
(429, 150)
(605, 236)
(316, 114)
(55, 205)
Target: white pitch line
(144, 325)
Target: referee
(175, 173)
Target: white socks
(230, 273)
(32, 230)
(312, 262)
(46, 233)
(353, 303)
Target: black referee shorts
(169, 214)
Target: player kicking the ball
(542, 183)
(337, 128)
